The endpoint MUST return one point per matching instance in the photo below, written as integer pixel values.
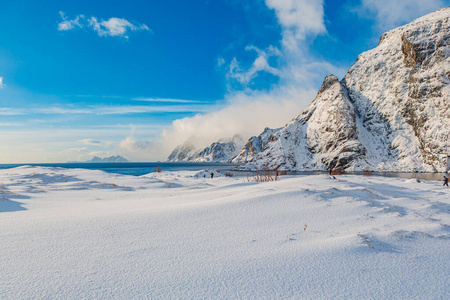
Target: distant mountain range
(220, 151)
(391, 112)
(110, 159)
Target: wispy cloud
(116, 27)
(298, 18)
(220, 61)
(92, 142)
(136, 109)
(247, 112)
(5, 111)
(5, 124)
(300, 22)
(261, 64)
(162, 100)
(153, 127)
(110, 110)
(389, 14)
(101, 154)
(138, 150)
(1, 83)
(60, 110)
(69, 24)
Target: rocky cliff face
(390, 112)
(221, 151)
(254, 145)
(181, 153)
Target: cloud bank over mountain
(248, 111)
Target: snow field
(73, 233)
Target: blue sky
(136, 78)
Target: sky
(98, 78)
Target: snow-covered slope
(254, 145)
(220, 151)
(181, 153)
(85, 234)
(390, 112)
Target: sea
(142, 168)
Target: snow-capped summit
(390, 112)
(254, 145)
(220, 151)
(181, 153)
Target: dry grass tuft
(264, 176)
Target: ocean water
(142, 168)
(135, 168)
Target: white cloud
(298, 18)
(131, 144)
(115, 110)
(60, 110)
(389, 14)
(101, 154)
(5, 124)
(5, 111)
(55, 144)
(246, 113)
(261, 63)
(162, 100)
(134, 109)
(300, 22)
(70, 154)
(1, 83)
(220, 61)
(117, 27)
(249, 112)
(138, 150)
(69, 24)
(92, 142)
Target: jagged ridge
(390, 112)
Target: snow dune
(74, 233)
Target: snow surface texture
(391, 112)
(84, 234)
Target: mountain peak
(389, 113)
(328, 82)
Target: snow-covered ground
(83, 234)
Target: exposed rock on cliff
(254, 145)
(390, 112)
(221, 151)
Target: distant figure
(212, 174)
(445, 181)
(329, 171)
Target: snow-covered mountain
(220, 151)
(390, 112)
(181, 153)
(254, 145)
(116, 158)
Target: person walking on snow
(445, 181)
